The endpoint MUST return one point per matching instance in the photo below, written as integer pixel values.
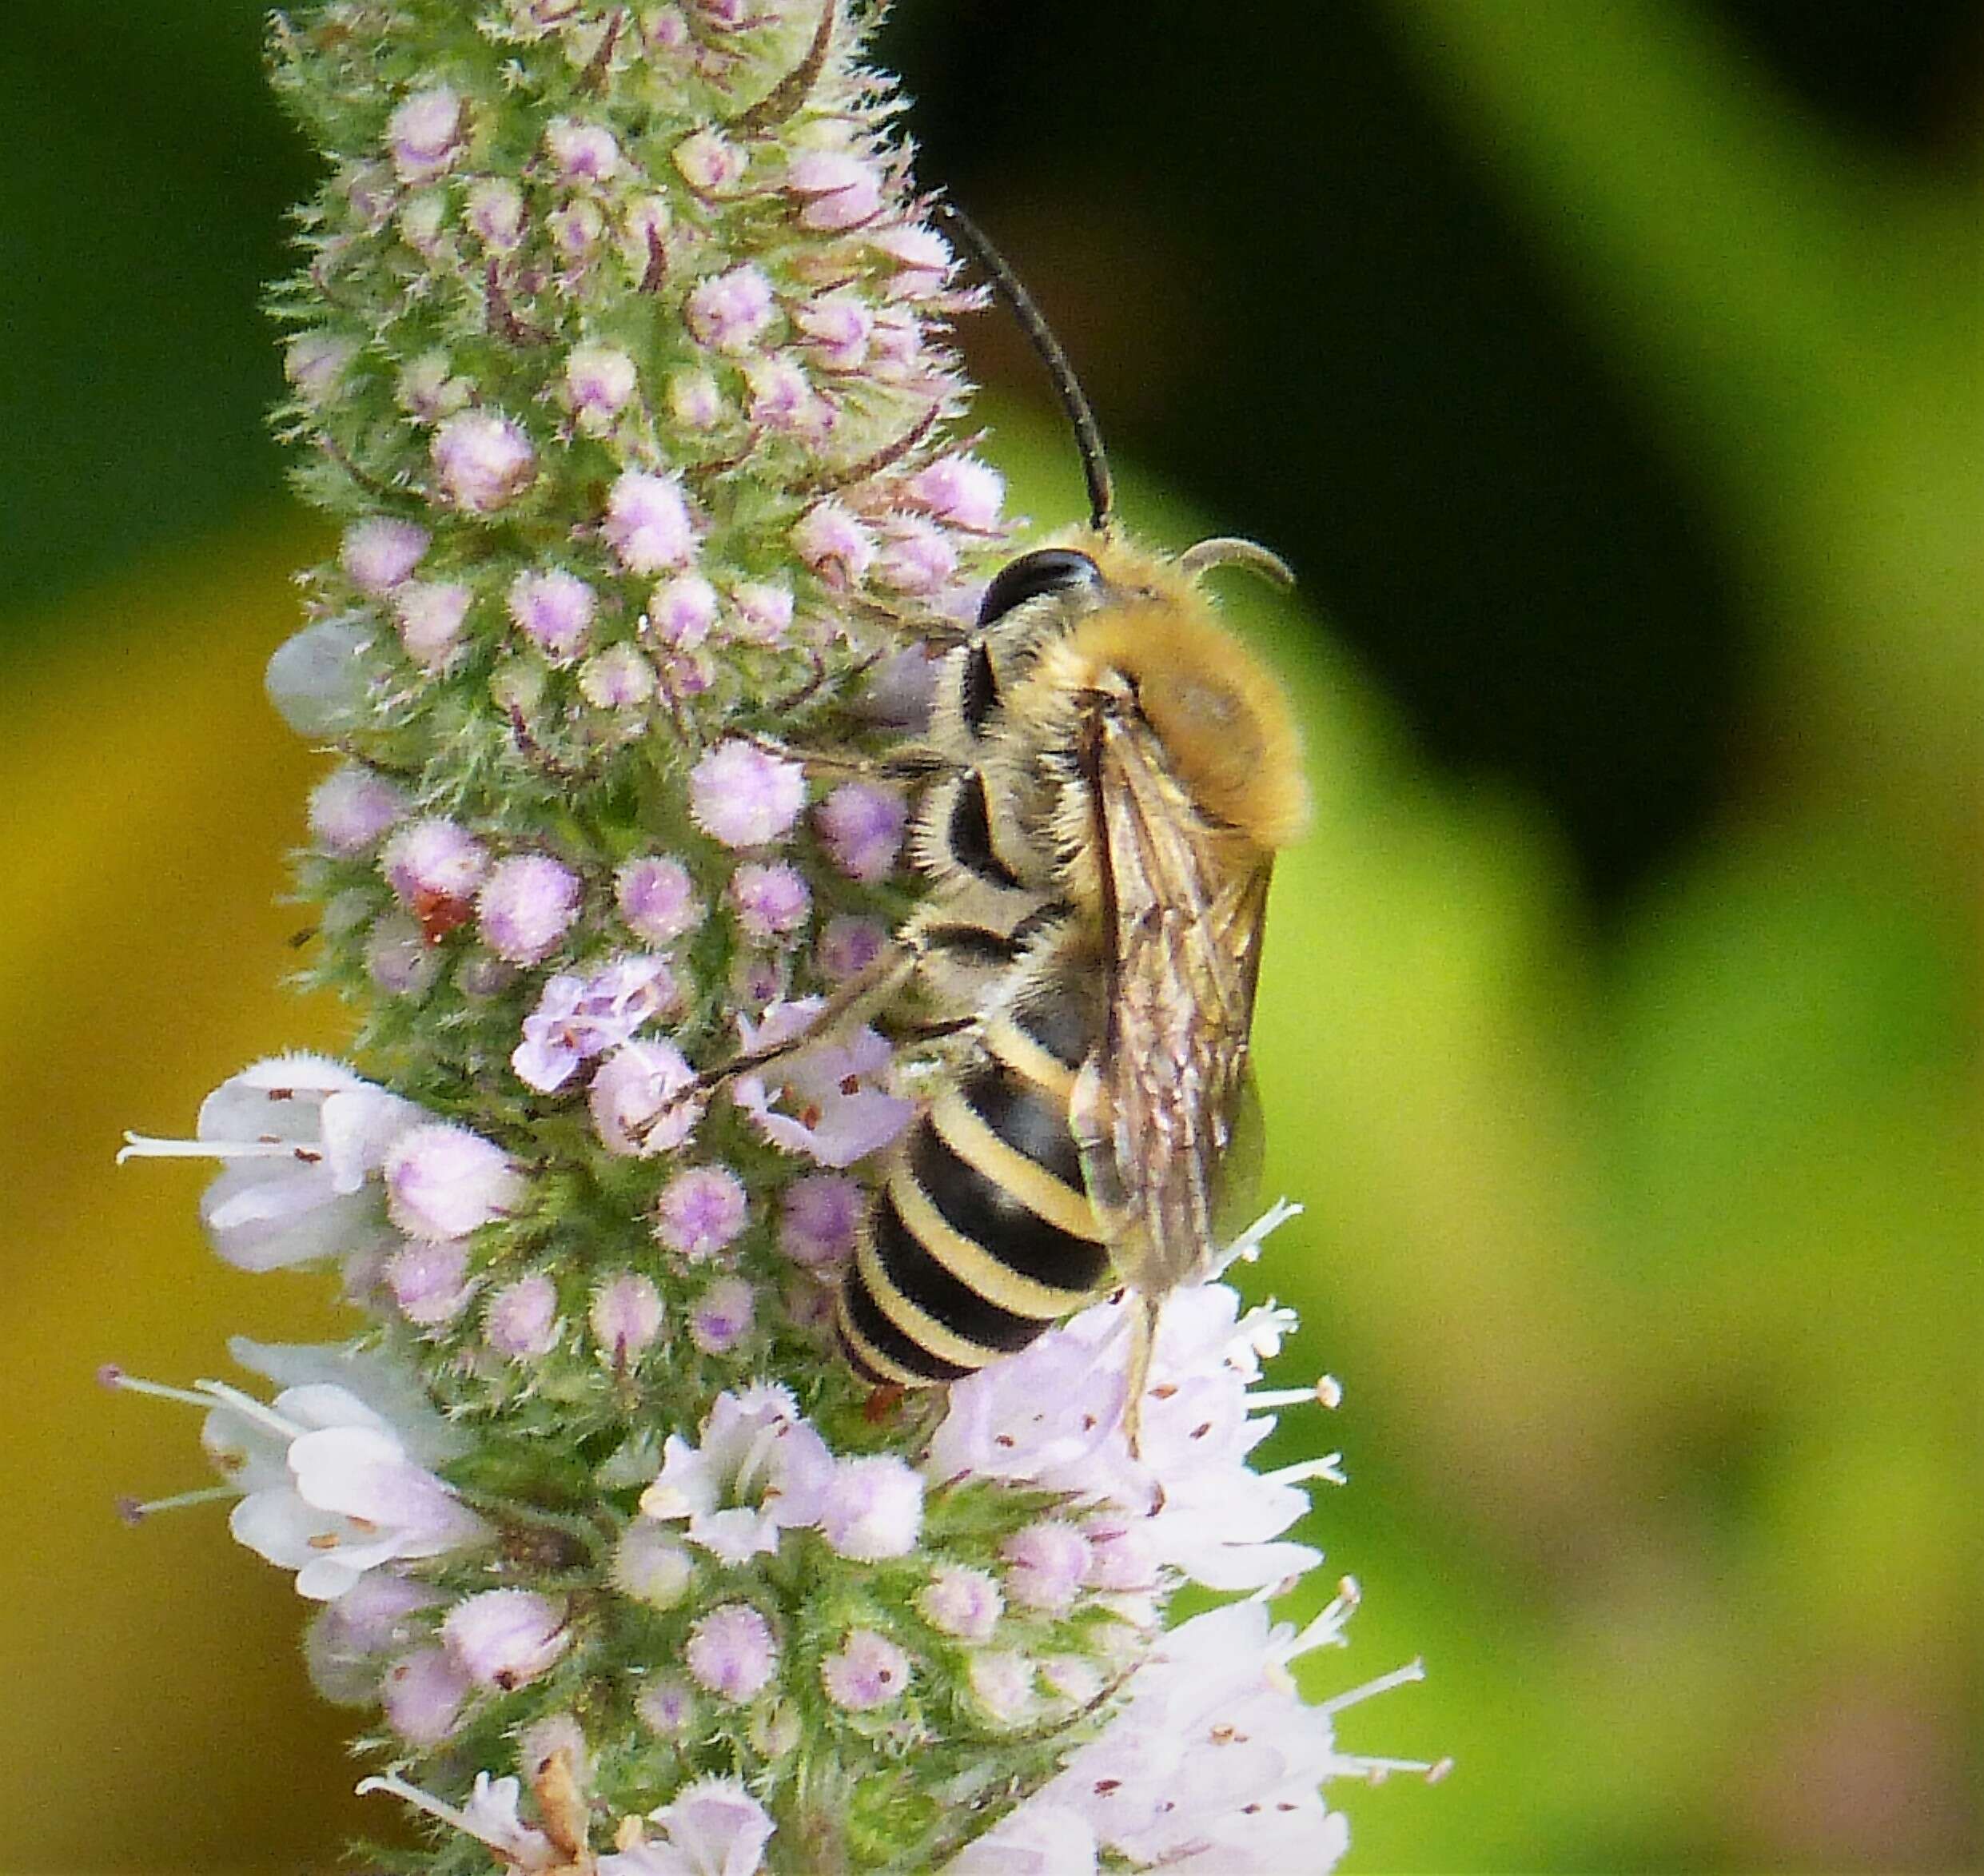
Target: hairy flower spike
(618, 361)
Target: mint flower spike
(619, 356)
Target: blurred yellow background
(1643, 1181)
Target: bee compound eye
(1047, 570)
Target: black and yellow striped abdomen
(980, 1235)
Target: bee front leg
(916, 765)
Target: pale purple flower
(921, 256)
(575, 229)
(618, 678)
(495, 212)
(490, 1817)
(817, 1100)
(730, 1651)
(700, 1211)
(429, 386)
(868, 1670)
(429, 1282)
(837, 546)
(770, 902)
(666, 1705)
(961, 1601)
(430, 614)
(302, 1139)
(424, 133)
(723, 1315)
(329, 1490)
(838, 327)
(578, 1017)
(1045, 1563)
(626, 1317)
(916, 557)
(601, 381)
(380, 551)
(352, 807)
(639, 1101)
(681, 611)
(520, 1320)
(433, 859)
(1213, 1763)
(648, 523)
(763, 611)
(423, 1694)
(321, 679)
(1003, 1683)
(645, 220)
(444, 1181)
(527, 905)
(422, 219)
(1036, 1840)
(484, 460)
(582, 152)
(960, 490)
(649, 1566)
(713, 1827)
(399, 958)
(782, 397)
(728, 311)
(695, 401)
(709, 163)
(346, 1642)
(848, 945)
(862, 827)
(818, 1217)
(743, 796)
(481, 974)
(838, 188)
(554, 611)
(874, 1507)
(315, 363)
(657, 901)
(504, 1637)
(760, 1470)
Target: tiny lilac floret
(762, 609)
(626, 1317)
(656, 900)
(916, 558)
(700, 1211)
(666, 1705)
(868, 1672)
(728, 312)
(380, 551)
(682, 611)
(651, 1566)
(838, 327)
(495, 212)
(315, 363)
(861, 826)
(772, 902)
(743, 796)
(710, 163)
(873, 1508)
(1046, 1564)
(504, 1637)
(648, 523)
(444, 1181)
(430, 615)
(848, 945)
(837, 546)
(619, 678)
(730, 1652)
(433, 858)
(424, 1693)
(695, 400)
(423, 134)
(520, 1320)
(640, 1102)
(601, 381)
(526, 906)
(961, 490)
(398, 958)
(352, 808)
(582, 152)
(429, 1282)
(484, 460)
(723, 1315)
(837, 189)
(554, 609)
(818, 1217)
(960, 1601)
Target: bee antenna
(1005, 283)
(1227, 551)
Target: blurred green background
(1610, 370)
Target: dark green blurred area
(1610, 371)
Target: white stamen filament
(434, 1807)
(246, 1405)
(1399, 1677)
(1246, 1248)
(142, 1146)
(134, 1384)
(1377, 1770)
(1330, 1466)
(206, 1494)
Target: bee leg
(913, 765)
(1142, 1345)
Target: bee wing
(1155, 1110)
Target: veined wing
(1154, 1110)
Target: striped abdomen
(981, 1236)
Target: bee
(1110, 776)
